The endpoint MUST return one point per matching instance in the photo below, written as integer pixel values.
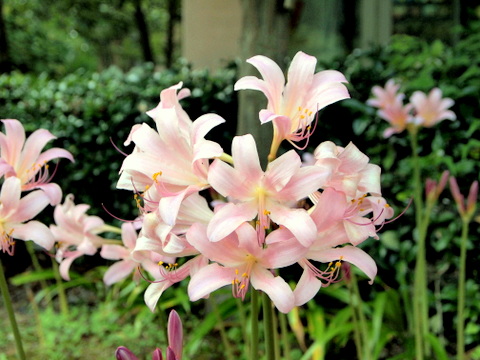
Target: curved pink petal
(280, 171)
(297, 221)
(34, 145)
(55, 153)
(275, 287)
(204, 124)
(30, 206)
(209, 279)
(352, 254)
(227, 181)
(10, 198)
(228, 219)
(35, 231)
(245, 157)
(300, 73)
(12, 143)
(226, 252)
(67, 262)
(154, 291)
(118, 271)
(307, 287)
(206, 149)
(114, 252)
(53, 192)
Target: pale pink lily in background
(292, 106)
(175, 342)
(238, 261)
(171, 163)
(391, 108)
(121, 269)
(268, 195)
(432, 108)
(15, 213)
(75, 232)
(386, 97)
(23, 158)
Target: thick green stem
(461, 291)
(221, 326)
(268, 327)
(285, 340)
(62, 296)
(254, 324)
(359, 316)
(243, 322)
(38, 268)
(419, 291)
(11, 314)
(356, 323)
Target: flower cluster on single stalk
(292, 212)
(423, 110)
(24, 168)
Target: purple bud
(175, 334)
(122, 353)
(157, 354)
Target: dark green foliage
(86, 110)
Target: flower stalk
(7, 300)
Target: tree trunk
(173, 17)
(5, 61)
(143, 31)
(266, 31)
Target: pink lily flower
(239, 262)
(75, 229)
(391, 108)
(292, 107)
(350, 169)
(431, 109)
(175, 342)
(169, 240)
(22, 158)
(121, 269)
(266, 195)
(171, 163)
(15, 213)
(171, 274)
(339, 222)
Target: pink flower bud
(457, 196)
(175, 335)
(123, 353)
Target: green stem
(36, 315)
(285, 339)
(268, 327)
(419, 287)
(356, 324)
(62, 296)
(11, 314)
(254, 324)
(38, 268)
(361, 317)
(243, 322)
(461, 292)
(221, 325)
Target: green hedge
(86, 110)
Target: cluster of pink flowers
(258, 221)
(24, 168)
(423, 110)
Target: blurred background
(87, 70)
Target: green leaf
(437, 347)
